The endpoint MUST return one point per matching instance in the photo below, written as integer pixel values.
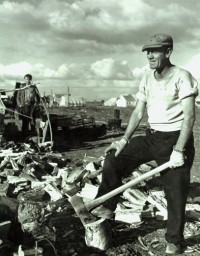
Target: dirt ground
(79, 144)
(147, 238)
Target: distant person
(168, 92)
(27, 99)
(2, 124)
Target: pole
(68, 95)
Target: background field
(80, 144)
(77, 146)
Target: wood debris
(35, 184)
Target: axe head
(85, 216)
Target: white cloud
(193, 66)
(15, 70)
(105, 69)
(80, 40)
(139, 72)
(111, 69)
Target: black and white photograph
(99, 127)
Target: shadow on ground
(82, 138)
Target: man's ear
(168, 52)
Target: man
(168, 93)
(27, 99)
(2, 124)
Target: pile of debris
(36, 183)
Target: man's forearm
(185, 133)
(132, 125)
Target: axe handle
(98, 201)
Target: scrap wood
(135, 175)
(70, 190)
(4, 162)
(92, 167)
(77, 179)
(98, 234)
(88, 159)
(16, 180)
(128, 216)
(159, 197)
(38, 184)
(12, 203)
(63, 174)
(193, 207)
(135, 196)
(192, 229)
(4, 153)
(93, 170)
(88, 191)
(75, 175)
(14, 164)
(163, 210)
(53, 192)
(194, 248)
(193, 215)
(4, 188)
(36, 251)
(28, 177)
(145, 168)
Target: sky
(92, 47)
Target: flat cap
(158, 41)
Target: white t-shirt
(163, 97)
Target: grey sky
(92, 46)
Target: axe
(83, 209)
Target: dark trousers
(156, 146)
(28, 118)
(2, 124)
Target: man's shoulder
(183, 72)
(148, 73)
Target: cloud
(81, 41)
(14, 71)
(193, 66)
(54, 30)
(139, 72)
(69, 71)
(86, 20)
(106, 69)
(111, 69)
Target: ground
(87, 143)
(144, 239)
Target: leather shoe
(172, 249)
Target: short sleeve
(188, 86)
(141, 95)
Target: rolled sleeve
(188, 88)
(141, 95)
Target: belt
(152, 130)
(164, 132)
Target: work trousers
(28, 117)
(2, 124)
(158, 146)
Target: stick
(98, 201)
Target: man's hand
(42, 124)
(177, 159)
(118, 145)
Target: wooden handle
(98, 201)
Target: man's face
(157, 58)
(27, 80)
